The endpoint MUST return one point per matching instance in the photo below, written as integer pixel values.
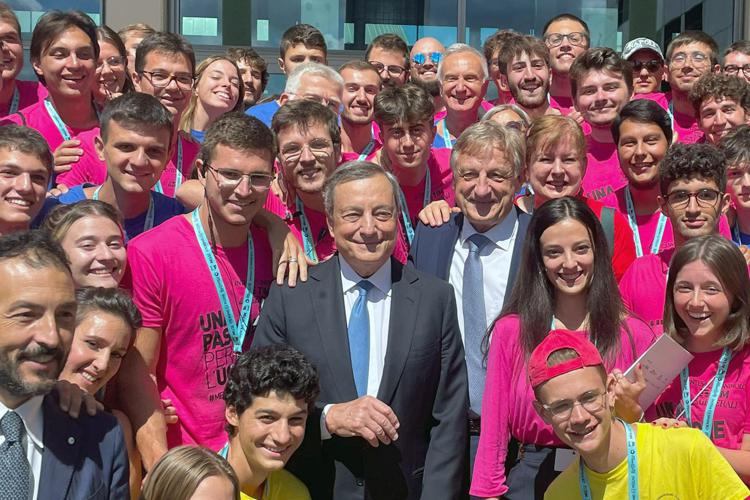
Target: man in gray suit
(391, 416)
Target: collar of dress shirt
(33, 418)
(500, 234)
(381, 278)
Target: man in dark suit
(44, 453)
(478, 250)
(391, 416)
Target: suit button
(360, 482)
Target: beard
(18, 387)
(527, 101)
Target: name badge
(563, 458)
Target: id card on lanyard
(708, 416)
(237, 328)
(408, 228)
(178, 171)
(658, 236)
(13, 109)
(632, 455)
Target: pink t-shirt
(486, 106)
(441, 180)
(686, 129)
(507, 408)
(603, 173)
(28, 93)
(173, 290)
(647, 224)
(324, 244)
(732, 412)
(37, 117)
(659, 98)
(352, 156)
(562, 103)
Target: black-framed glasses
(393, 69)
(732, 69)
(420, 58)
(704, 197)
(232, 178)
(577, 38)
(161, 80)
(652, 65)
(591, 401)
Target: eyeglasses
(232, 178)
(576, 38)
(333, 104)
(731, 69)
(592, 402)
(420, 58)
(320, 148)
(681, 58)
(393, 69)
(704, 197)
(652, 65)
(161, 80)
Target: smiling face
(96, 251)
(600, 96)
(738, 185)
(68, 65)
(717, 117)
(694, 218)
(360, 89)
(738, 60)
(529, 80)
(175, 96)
(307, 156)
(218, 89)
(562, 56)
(427, 71)
(253, 80)
(407, 145)
(364, 222)
(37, 317)
(110, 72)
(463, 82)
(556, 171)
(640, 149)
(11, 50)
(100, 342)
(269, 431)
(568, 256)
(701, 302)
(382, 58)
(23, 185)
(688, 63)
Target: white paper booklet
(662, 363)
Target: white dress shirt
(33, 419)
(495, 257)
(379, 315)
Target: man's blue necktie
(359, 338)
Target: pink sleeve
(89, 168)
(146, 287)
(489, 465)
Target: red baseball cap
(588, 355)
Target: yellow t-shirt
(281, 485)
(672, 463)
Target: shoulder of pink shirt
(658, 97)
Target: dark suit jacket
(433, 247)
(84, 458)
(424, 382)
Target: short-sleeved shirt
(174, 291)
(264, 112)
(37, 117)
(28, 93)
(603, 174)
(281, 485)
(672, 464)
(324, 244)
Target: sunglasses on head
(421, 57)
(652, 66)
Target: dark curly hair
(691, 161)
(719, 87)
(264, 369)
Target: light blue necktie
(15, 471)
(359, 338)
(475, 322)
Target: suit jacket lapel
(330, 313)
(404, 302)
(62, 445)
(515, 260)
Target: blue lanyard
(307, 238)
(408, 228)
(446, 135)
(656, 244)
(178, 173)
(237, 329)
(632, 468)
(149, 222)
(59, 123)
(370, 145)
(14, 101)
(708, 416)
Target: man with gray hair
(390, 421)
(478, 250)
(463, 76)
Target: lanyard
(238, 329)
(59, 123)
(307, 238)
(446, 135)
(708, 416)
(632, 468)
(149, 222)
(14, 101)
(736, 235)
(656, 244)
(370, 146)
(178, 171)
(408, 228)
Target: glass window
(29, 12)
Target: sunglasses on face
(652, 66)
(420, 58)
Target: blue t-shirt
(264, 112)
(198, 135)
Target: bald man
(424, 65)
